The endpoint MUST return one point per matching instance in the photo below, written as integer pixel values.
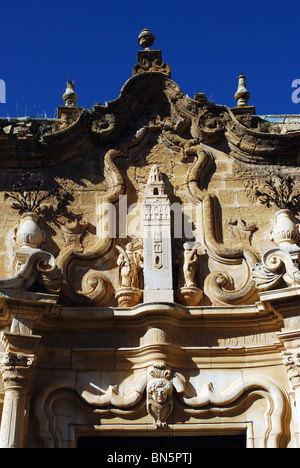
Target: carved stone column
(21, 310)
(16, 373)
(291, 359)
(16, 369)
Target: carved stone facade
(150, 284)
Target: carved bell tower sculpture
(158, 276)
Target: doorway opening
(174, 443)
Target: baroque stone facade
(150, 268)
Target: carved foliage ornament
(16, 370)
(292, 363)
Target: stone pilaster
(16, 372)
(21, 310)
(291, 359)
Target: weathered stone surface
(193, 328)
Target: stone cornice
(174, 315)
(52, 142)
(26, 306)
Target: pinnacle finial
(242, 95)
(70, 97)
(146, 38)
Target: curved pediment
(152, 101)
(99, 157)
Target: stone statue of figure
(190, 266)
(130, 264)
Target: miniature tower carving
(158, 276)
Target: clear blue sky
(206, 43)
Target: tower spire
(158, 276)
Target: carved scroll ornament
(277, 265)
(161, 383)
(40, 266)
(281, 264)
(96, 285)
(219, 285)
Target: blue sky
(206, 43)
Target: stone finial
(70, 97)
(242, 95)
(149, 60)
(146, 38)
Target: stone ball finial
(242, 95)
(146, 38)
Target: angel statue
(130, 263)
(190, 266)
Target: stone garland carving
(276, 426)
(160, 382)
